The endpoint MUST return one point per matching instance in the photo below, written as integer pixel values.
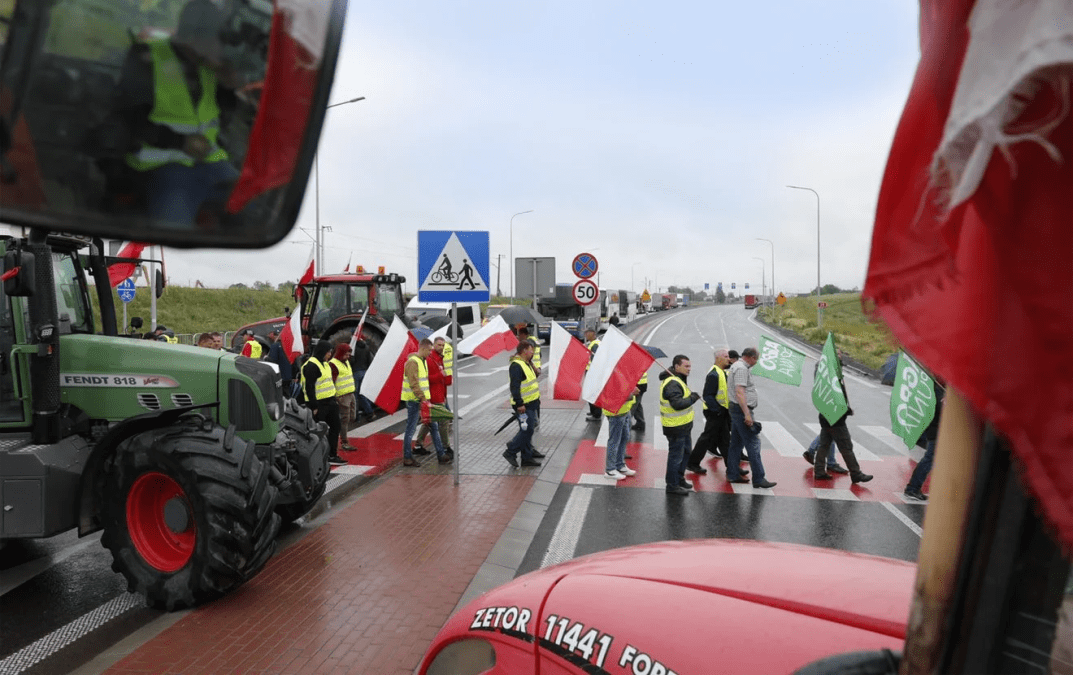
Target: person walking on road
(438, 381)
(839, 434)
(344, 391)
(716, 435)
(618, 431)
(676, 415)
(744, 430)
(415, 391)
(915, 487)
(525, 400)
(320, 395)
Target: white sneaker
(617, 475)
(627, 471)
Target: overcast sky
(658, 136)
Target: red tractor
(332, 306)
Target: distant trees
(720, 296)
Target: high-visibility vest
(721, 398)
(644, 378)
(422, 379)
(668, 415)
(172, 340)
(255, 349)
(621, 411)
(174, 108)
(592, 348)
(344, 381)
(536, 352)
(448, 359)
(324, 387)
(530, 389)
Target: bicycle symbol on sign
(443, 273)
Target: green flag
(779, 362)
(827, 393)
(912, 403)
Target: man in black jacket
(359, 362)
(676, 414)
(716, 435)
(319, 391)
(839, 434)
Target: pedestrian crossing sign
(452, 266)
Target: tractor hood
(113, 379)
(692, 606)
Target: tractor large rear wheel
(186, 519)
(298, 421)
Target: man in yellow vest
(319, 388)
(252, 348)
(716, 435)
(676, 414)
(525, 400)
(171, 96)
(415, 391)
(344, 391)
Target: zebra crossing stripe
(781, 439)
(893, 442)
(564, 543)
(659, 441)
(37, 652)
(601, 436)
(863, 453)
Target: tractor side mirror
(251, 136)
(158, 283)
(18, 273)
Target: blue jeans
(364, 405)
(920, 474)
(832, 460)
(523, 440)
(413, 420)
(743, 436)
(618, 431)
(175, 193)
(678, 447)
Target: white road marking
(896, 444)
(353, 469)
(841, 494)
(659, 441)
(596, 479)
(366, 430)
(564, 543)
(602, 434)
(38, 651)
(784, 443)
(863, 454)
(904, 518)
(748, 489)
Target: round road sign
(822, 305)
(586, 292)
(584, 267)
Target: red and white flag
(357, 331)
(291, 335)
(615, 370)
(122, 270)
(346, 270)
(383, 380)
(566, 368)
(491, 339)
(307, 274)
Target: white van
(434, 315)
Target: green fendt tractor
(187, 458)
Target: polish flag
(346, 270)
(122, 270)
(491, 339)
(291, 335)
(383, 380)
(357, 331)
(615, 369)
(307, 275)
(566, 369)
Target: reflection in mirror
(177, 121)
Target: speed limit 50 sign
(586, 292)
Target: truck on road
(750, 301)
(565, 311)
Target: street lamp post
(316, 179)
(772, 265)
(819, 312)
(511, 261)
(763, 277)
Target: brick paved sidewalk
(363, 593)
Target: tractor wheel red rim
(159, 545)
